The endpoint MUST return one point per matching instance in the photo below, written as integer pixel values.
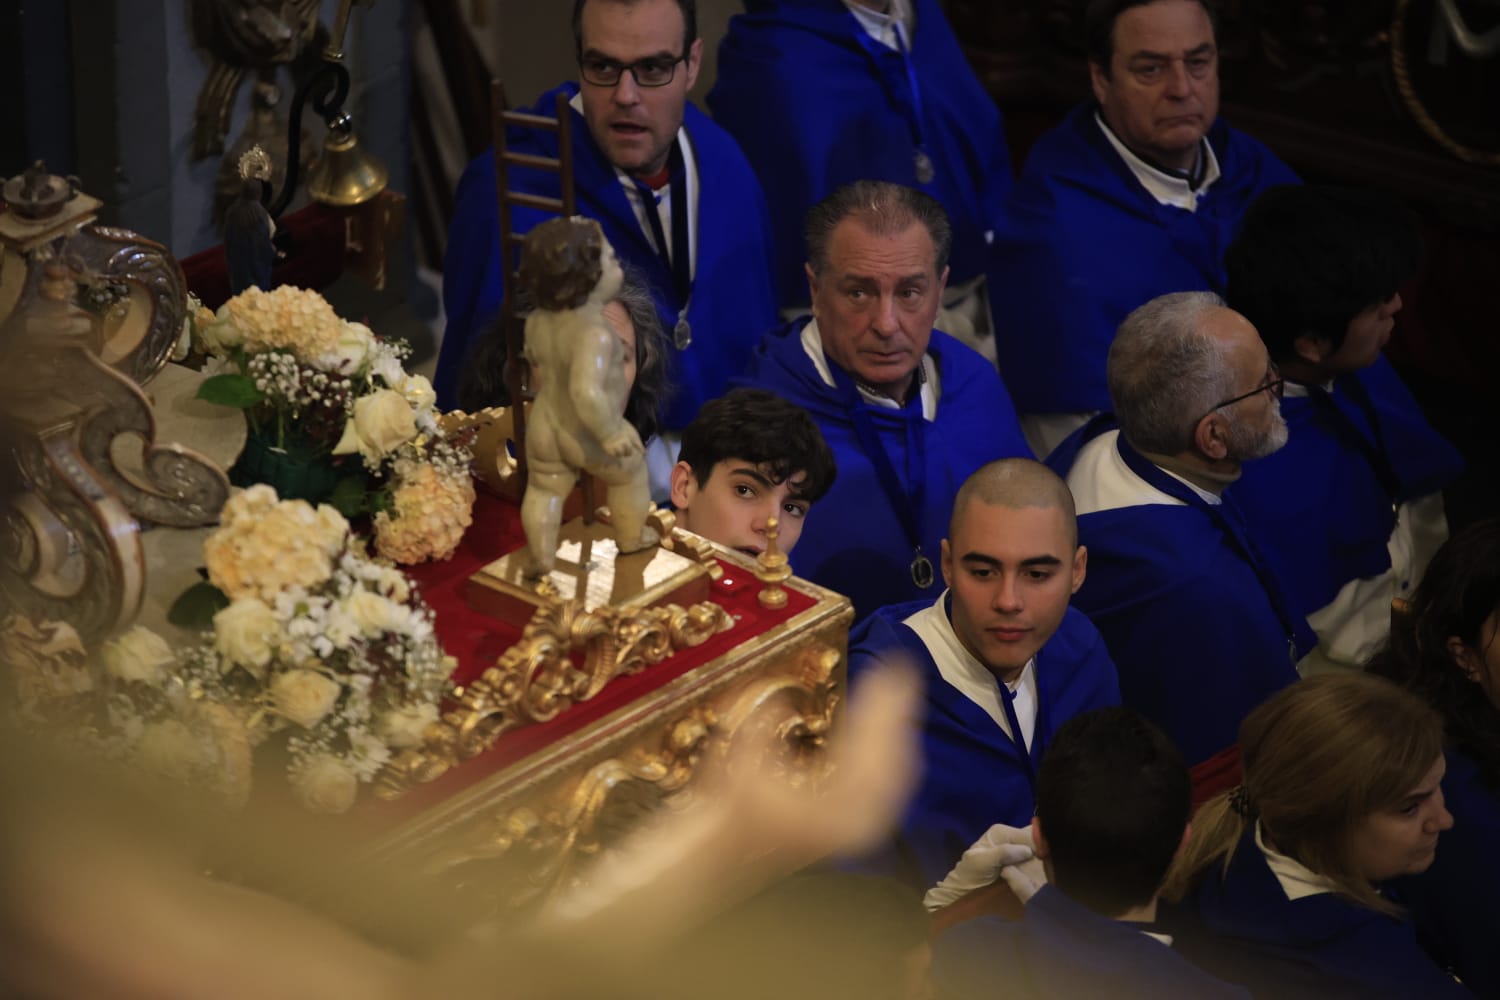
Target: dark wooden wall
(1369, 93)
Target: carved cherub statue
(577, 421)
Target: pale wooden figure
(577, 421)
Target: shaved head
(1016, 483)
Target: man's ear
(684, 485)
(943, 281)
(1038, 841)
(812, 286)
(1098, 82)
(694, 62)
(1211, 436)
(945, 563)
(1080, 567)
(1312, 349)
(1464, 657)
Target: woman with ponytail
(1445, 649)
(1282, 885)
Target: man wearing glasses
(675, 196)
(1135, 194)
(1194, 613)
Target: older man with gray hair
(1191, 609)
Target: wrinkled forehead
(1163, 28)
(857, 249)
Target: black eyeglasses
(1274, 384)
(657, 71)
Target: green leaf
(351, 496)
(237, 391)
(197, 606)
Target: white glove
(1025, 878)
(987, 859)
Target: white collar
(1100, 480)
(1165, 188)
(932, 390)
(883, 26)
(971, 678)
(1297, 880)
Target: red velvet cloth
(478, 641)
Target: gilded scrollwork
(536, 679)
(522, 854)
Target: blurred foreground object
(107, 897)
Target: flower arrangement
(315, 387)
(315, 640)
(310, 645)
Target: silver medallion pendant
(923, 163)
(921, 571)
(682, 334)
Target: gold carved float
(531, 828)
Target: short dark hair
(881, 207)
(760, 427)
(1309, 258)
(689, 10)
(1099, 27)
(1113, 797)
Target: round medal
(921, 571)
(923, 163)
(682, 334)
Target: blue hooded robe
(1455, 903)
(1197, 637)
(733, 301)
(854, 540)
(1241, 927)
(974, 776)
(1323, 504)
(1064, 949)
(1081, 243)
(815, 102)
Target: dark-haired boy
(746, 457)
(1112, 807)
(1352, 506)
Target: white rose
(246, 634)
(419, 392)
(138, 655)
(374, 614)
(351, 353)
(221, 335)
(324, 784)
(304, 696)
(383, 421)
(386, 366)
(169, 749)
(403, 727)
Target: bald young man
(1006, 661)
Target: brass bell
(346, 174)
